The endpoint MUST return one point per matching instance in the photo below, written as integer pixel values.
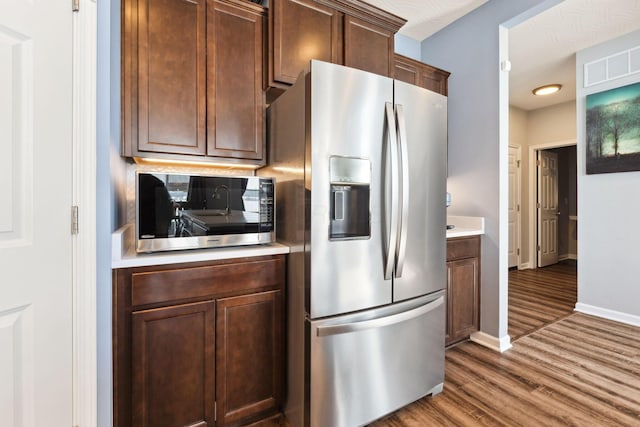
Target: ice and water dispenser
(350, 198)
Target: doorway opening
(548, 290)
(553, 202)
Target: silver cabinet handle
(393, 319)
(393, 209)
(404, 189)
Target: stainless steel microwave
(178, 211)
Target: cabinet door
(406, 71)
(172, 366)
(367, 46)
(301, 30)
(462, 299)
(171, 97)
(249, 363)
(235, 109)
(434, 80)
(420, 74)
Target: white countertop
(124, 256)
(465, 226)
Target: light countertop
(465, 226)
(124, 255)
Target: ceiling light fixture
(547, 89)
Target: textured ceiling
(542, 49)
(426, 17)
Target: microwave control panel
(266, 204)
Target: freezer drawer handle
(346, 328)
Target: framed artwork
(613, 130)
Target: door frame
(518, 229)
(84, 323)
(533, 193)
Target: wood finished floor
(540, 296)
(578, 371)
(564, 369)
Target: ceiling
(426, 17)
(541, 49)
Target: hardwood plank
(565, 368)
(580, 370)
(540, 296)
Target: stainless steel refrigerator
(360, 165)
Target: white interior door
(35, 240)
(514, 206)
(547, 208)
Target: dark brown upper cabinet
(301, 30)
(235, 109)
(420, 74)
(163, 75)
(367, 46)
(347, 32)
(192, 80)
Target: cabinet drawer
(463, 247)
(155, 287)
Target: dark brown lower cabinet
(249, 355)
(172, 353)
(463, 288)
(198, 344)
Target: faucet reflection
(216, 195)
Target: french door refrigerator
(359, 161)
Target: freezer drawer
(368, 364)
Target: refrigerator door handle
(404, 189)
(345, 328)
(391, 210)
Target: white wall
(608, 213)
(553, 124)
(469, 48)
(518, 121)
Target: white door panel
(547, 208)
(514, 206)
(35, 241)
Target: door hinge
(538, 248)
(518, 251)
(74, 220)
(517, 208)
(538, 205)
(518, 163)
(537, 162)
(75, 5)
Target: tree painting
(613, 130)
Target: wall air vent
(612, 67)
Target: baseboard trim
(618, 316)
(524, 266)
(573, 256)
(500, 345)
